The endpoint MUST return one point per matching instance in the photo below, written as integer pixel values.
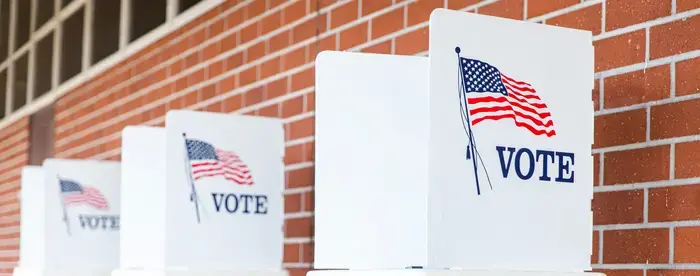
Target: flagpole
(63, 204)
(188, 167)
(472, 142)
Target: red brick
(227, 84)
(270, 111)
(294, 58)
(300, 271)
(270, 68)
(634, 166)
(687, 161)
(213, 107)
(621, 272)
(623, 13)
(596, 95)
(233, 61)
(292, 253)
(303, 79)
(387, 23)
(207, 92)
(618, 207)
(293, 107)
(191, 99)
(320, 4)
(381, 48)
(255, 52)
(307, 252)
(301, 128)
(327, 43)
(215, 69)
(234, 19)
(536, 8)
(674, 203)
(686, 244)
(353, 36)
(300, 178)
(412, 43)
(371, 6)
(294, 12)
(621, 128)
(635, 246)
(618, 51)
(196, 77)
(193, 40)
(669, 272)
(233, 103)
(513, 9)
(276, 88)
(255, 8)
(310, 101)
(191, 60)
(250, 32)
(307, 29)
(419, 11)
(253, 96)
(271, 22)
(344, 14)
(637, 87)
(674, 38)
(686, 5)
(596, 247)
(460, 4)
(687, 77)
(248, 76)
(210, 51)
(292, 203)
(215, 28)
(310, 151)
(294, 154)
(596, 169)
(280, 41)
(675, 119)
(588, 18)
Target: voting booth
(475, 160)
(69, 219)
(203, 196)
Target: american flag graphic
(497, 96)
(75, 194)
(208, 161)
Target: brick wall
(256, 57)
(14, 144)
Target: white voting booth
(203, 196)
(476, 160)
(69, 218)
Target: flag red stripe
(536, 121)
(549, 133)
(208, 167)
(220, 169)
(502, 99)
(512, 90)
(89, 196)
(511, 80)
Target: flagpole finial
(458, 50)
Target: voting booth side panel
(32, 217)
(142, 242)
(224, 195)
(371, 168)
(82, 214)
(510, 144)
